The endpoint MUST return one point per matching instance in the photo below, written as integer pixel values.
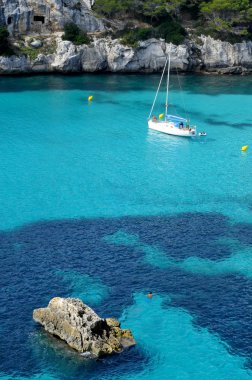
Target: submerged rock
(82, 329)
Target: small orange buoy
(244, 148)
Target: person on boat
(150, 295)
(154, 118)
(181, 125)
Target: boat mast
(158, 89)
(168, 81)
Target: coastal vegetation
(74, 34)
(24, 47)
(170, 31)
(5, 47)
(227, 20)
(132, 21)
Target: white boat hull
(170, 129)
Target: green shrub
(231, 19)
(171, 31)
(144, 34)
(110, 8)
(74, 34)
(28, 52)
(4, 43)
(132, 37)
(217, 35)
(129, 39)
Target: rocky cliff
(82, 329)
(36, 28)
(105, 54)
(45, 16)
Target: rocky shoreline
(82, 329)
(35, 35)
(107, 55)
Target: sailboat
(167, 123)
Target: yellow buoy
(245, 147)
(90, 98)
(161, 116)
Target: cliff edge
(36, 35)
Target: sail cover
(176, 119)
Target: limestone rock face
(150, 56)
(82, 329)
(41, 64)
(45, 16)
(42, 19)
(89, 3)
(224, 57)
(94, 57)
(36, 44)
(105, 54)
(14, 65)
(67, 58)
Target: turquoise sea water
(96, 206)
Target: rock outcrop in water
(82, 329)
